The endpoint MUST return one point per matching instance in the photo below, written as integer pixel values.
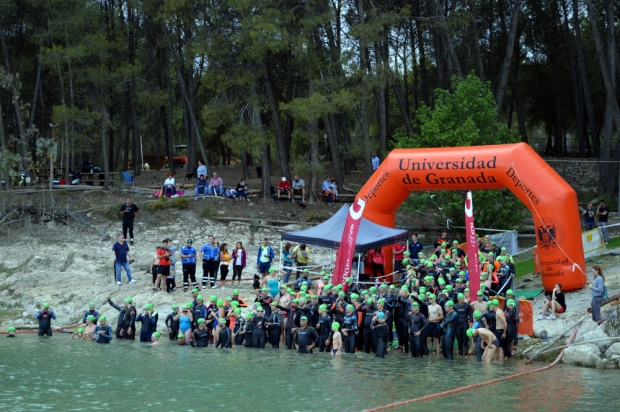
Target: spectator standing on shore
(129, 211)
(598, 293)
(415, 247)
(202, 169)
(239, 261)
(375, 161)
(589, 217)
(398, 250)
(120, 251)
(603, 212)
(188, 260)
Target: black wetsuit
(173, 325)
(380, 332)
(107, 334)
(156, 316)
(248, 332)
(325, 325)
(512, 330)
(275, 329)
(200, 338)
(225, 338)
(293, 321)
(464, 316)
(417, 323)
(403, 307)
(448, 326)
(350, 324)
(327, 300)
(93, 313)
(121, 318)
(369, 313)
(305, 337)
(45, 322)
(390, 305)
(259, 337)
(478, 340)
(146, 329)
(359, 340)
(239, 326)
(129, 326)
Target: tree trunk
(5, 169)
(474, 27)
(191, 141)
(456, 67)
(510, 46)
(282, 152)
(424, 84)
(244, 165)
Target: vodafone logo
(357, 214)
(468, 205)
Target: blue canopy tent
(329, 233)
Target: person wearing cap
(435, 316)
(77, 334)
(349, 329)
(489, 317)
(181, 340)
(488, 341)
(284, 187)
(259, 322)
(129, 321)
(274, 323)
(45, 316)
(350, 286)
(272, 282)
(188, 254)
(147, 322)
(501, 328)
(120, 253)
(91, 312)
(264, 299)
(417, 327)
(264, 257)
(103, 331)
(336, 339)
(512, 329)
(380, 335)
(464, 317)
(155, 338)
(89, 329)
(305, 337)
(122, 310)
(224, 337)
(368, 311)
(172, 322)
(448, 328)
(323, 326)
(209, 253)
(200, 336)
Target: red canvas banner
(344, 258)
(473, 262)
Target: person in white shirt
(375, 161)
(169, 185)
(202, 170)
(299, 187)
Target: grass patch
(208, 212)
(161, 204)
(614, 242)
(63, 192)
(180, 202)
(524, 267)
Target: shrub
(161, 204)
(208, 212)
(180, 203)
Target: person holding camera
(120, 251)
(603, 212)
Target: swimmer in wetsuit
(448, 328)
(11, 331)
(103, 332)
(417, 324)
(336, 340)
(147, 322)
(463, 311)
(172, 322)
(275, 324)
(121, 316)
(324, 326)
(239, 325)
(248, 330)
(181, 340)
(349, 329)
(225, 337)
(305, 338)
(380, 332)
(45, 316)
(259, 321)
(200, 335)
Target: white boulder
(582, 355)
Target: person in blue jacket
(103, 332)
(91, 312)
(147, 322)
(264, 257)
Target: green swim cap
(449, 303)
(405, 261)
(150, 305)
(335, 325)
(271, 269)
(222, 320)
(406, 253)
(422, 296)
(392, 287)
(369, 301)
(91, 304)
(416, 304)
(248, 315)
(355, 296)
(195, 290)
(495, 302)
(323, 307)
(102, 318)
(212, 298)
(443, 292)
(480, 293)
(304, 318)
(382, 301)
(432, 296)
(510, 292)
(234, 303)
(289, 290)
(510, 302)
(200, 321)
(350, 307)
(259, 308)
(295, 301)
(304, 287)
(220, 302)
(180, 336)
(441, 281)
(322, 273)
(341, 293)
(175, 307)
(470, 333)
(306, 271)
(477, 314)
(422, 289)
(90, 318)
(449, 288)
(274, 303)
(80, 330)
(189, 305)
(347, 280)
(489, 303)
(127, 300)
(338, 286)
(429, 264)
(327, 287)
(156, 334)
(237, 310)
(373, 289)
(46, 305)
(404, 287)
(460, 296)
(443, 250)
(466, 290)
(364, 292)
(325, 277)
(199, 297)
(265, 289)
(462, 273)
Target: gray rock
(25, 313)
(583, 355)
(597, 334)
(4, 293)
(613, 350)
(606, 364)
(583, 329)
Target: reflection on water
(59, 374)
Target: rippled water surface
(60, 374)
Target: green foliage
(463, 116)
(63, 192)
(524, 267)
(208, 212)
(161, 204)
(113, 212)
(180, 203)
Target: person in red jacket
(284, 187)
(377, 259)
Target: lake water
(59, 374)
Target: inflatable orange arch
(516, 167)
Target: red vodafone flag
(344, 259)
(473, 262)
